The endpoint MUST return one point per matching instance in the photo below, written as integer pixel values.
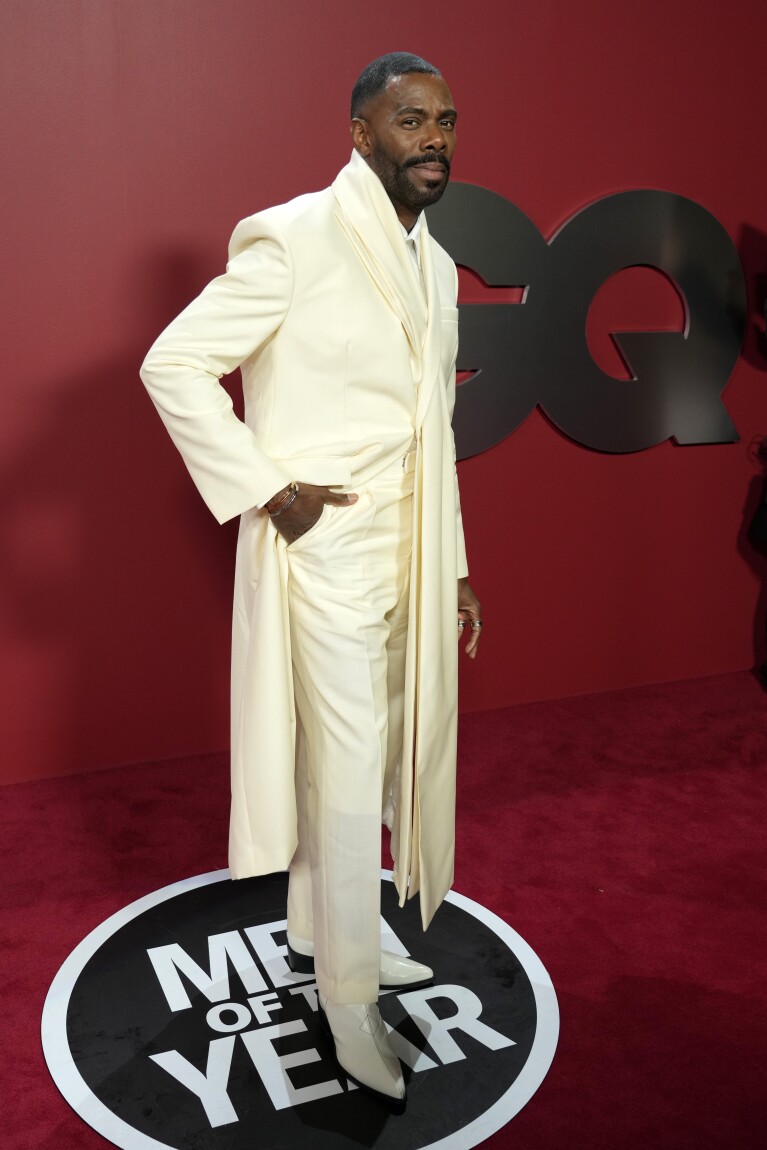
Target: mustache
(428, 158)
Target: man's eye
(450, 124)
(409, 123)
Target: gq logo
(177, 1023)
(535, 353)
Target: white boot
(362, 1047)
(395, 972)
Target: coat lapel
(367, 216)
(432, 347)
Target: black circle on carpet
(177, 1023)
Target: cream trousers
(348, 599)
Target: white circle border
(100, 1118)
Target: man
(341, 311)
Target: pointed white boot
(395, 971)
(363, 1050)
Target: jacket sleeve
(232, 317)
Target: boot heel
(300, 963)
(324, 1023)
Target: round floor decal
(177, 1023)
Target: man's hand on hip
(469, 617)
(302, 512)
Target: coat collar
(368, 218)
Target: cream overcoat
(321, 308)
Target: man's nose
(434, 139)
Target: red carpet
(622, 835)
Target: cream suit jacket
(330, 398)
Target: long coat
(342, 358)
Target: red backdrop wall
(136, 133)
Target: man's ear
(360, 133)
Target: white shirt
(413, 240)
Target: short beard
(394, 177)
